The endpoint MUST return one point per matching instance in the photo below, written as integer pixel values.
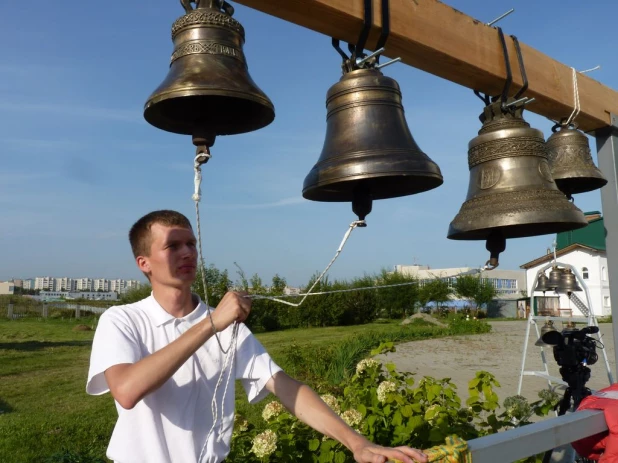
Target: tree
(136, 294)
(399, 301)
(437, 291)
(477, 291)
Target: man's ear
(143, 263)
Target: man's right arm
(131, 382)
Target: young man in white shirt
(172, 383)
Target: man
(163, 365)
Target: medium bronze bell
(569, 282)
(542, 283)
(511, 193)
(369, 152)
(208, 90)
(571, 163)
(555, 279)
(547, 327)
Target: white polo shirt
(170, 424)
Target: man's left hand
(371, 453)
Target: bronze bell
(369, 152)
(208, 90)
(555, 279)
(547, 327)
(542, 283)
(511, 193)
(571, 163)
(569, 282)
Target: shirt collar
(160, 316)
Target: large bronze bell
(369, 152)
(569, 282)
(208, 90)
(571, 163)
(511, 193)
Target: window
(603, 274)
(606, 302)
(585, 273)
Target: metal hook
(509, 73)
(522, 68)
(362, 38)
(484, 98)
(335, 43)
(386, 27)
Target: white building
(131, 284)
(7, 287)
(584, 249)
(27, 284)
(64, 284)
(101, 284)
(509, 284)
(93, 296)
(45, 283)
(84, 284)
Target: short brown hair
(139, 235)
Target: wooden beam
(432, 36)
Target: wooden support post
(436, 38)
(10, 312)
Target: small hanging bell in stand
(569, 282)
(542, 283)
(547, 327)
(571, 162)
(208, 90)
(555, 279)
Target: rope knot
(454, 450)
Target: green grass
(45, 411)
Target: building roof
(592, 235)
(559, 252)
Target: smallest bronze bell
(542, 283)
(547, 327)
(569, 283)
(571, 163)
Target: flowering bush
(389, 408)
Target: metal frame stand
(607, 152)
(591, 320)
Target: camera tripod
(576, 378)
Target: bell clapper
(203, 141)
(496, 243)
(361, 204)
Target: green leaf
(339, 457)
(435, 435)
(362, 409)
(397, 419)
(314, 444)
(407, 410)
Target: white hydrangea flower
(384, 388)
(352, 417)
(331, 402)
(272, 410)
(264, 443)
(366, 363)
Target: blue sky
(80, 164)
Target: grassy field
(45, 414)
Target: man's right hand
(234, 307)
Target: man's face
(173, 256)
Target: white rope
(230, 352)
(577, 107)
(353, 225)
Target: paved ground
(500, 353)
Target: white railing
(535, 438)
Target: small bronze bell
(511, 193)
(569, 282)
(547, 327)
(555, 279)
(571, 163)
(542, 283)
(208, 90)
(369, 152)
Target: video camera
(572, 346)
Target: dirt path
(499, 352)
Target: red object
(603, 446)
